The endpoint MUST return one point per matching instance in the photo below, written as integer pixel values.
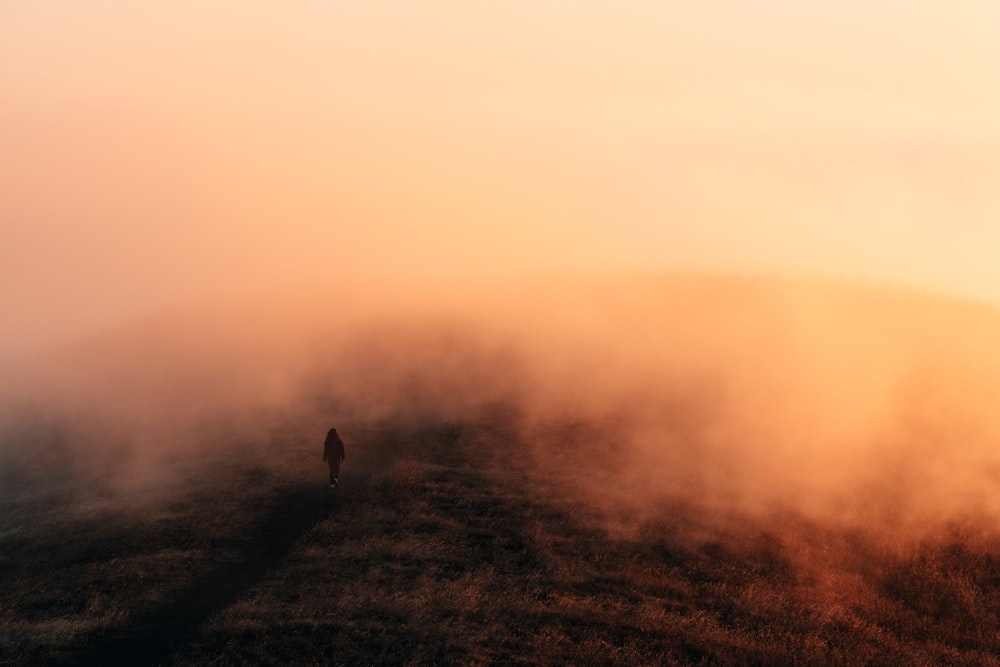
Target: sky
(165, 152)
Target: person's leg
(334, 471)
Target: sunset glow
(640, 332)
(164, 152)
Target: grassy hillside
(456, 552)
(698, 471)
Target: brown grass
(457, 553)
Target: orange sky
(162, 151)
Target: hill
(669, 471)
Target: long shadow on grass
(152, 637)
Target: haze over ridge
(854, 406)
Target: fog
(854, 407)
(678, 257)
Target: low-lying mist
(857, 407)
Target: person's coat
(333, 448)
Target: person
(333, 454)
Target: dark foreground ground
(454, 551)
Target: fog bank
(853, 406)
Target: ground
(444, 547)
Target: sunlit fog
(164, 153)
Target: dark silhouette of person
(333, 454)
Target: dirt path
(152, 637)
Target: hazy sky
(161, 151)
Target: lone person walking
(333, 454)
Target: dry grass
(456, 552)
